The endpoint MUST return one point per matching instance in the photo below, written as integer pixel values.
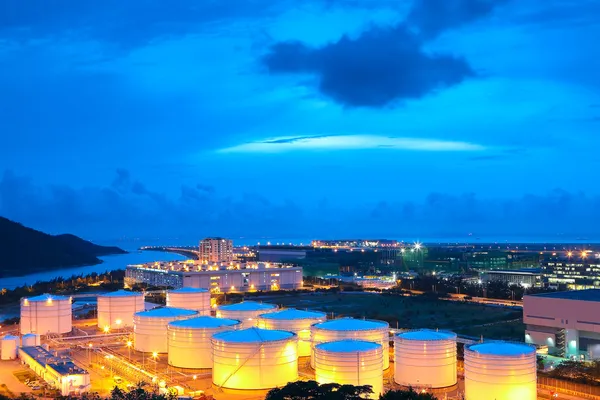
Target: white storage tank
(355, 329)
(425, 358)
(150, 327)
(192, 298)
(31, 340)
(254, 358)
(292, 320)
(350, 362)
(500, 371)
(116, 309)
(189, 340)
(46, 314)
(246, 311)
(8, 347)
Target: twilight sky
(301, 118)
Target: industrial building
(567, 322)
(62, 374)
(231, 277)
(282, 253)
(576, 274)
(529, 277)
(216, 250)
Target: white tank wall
(191, 347)
(257, 365)
(301, 327)
(196, 300)
(48, 316)
(8, 347)
(351, 368)
(150, 332)
(430, 363)
(381, 336)
(117, 311)
(249, 318)
(500, 376)
(30, 340)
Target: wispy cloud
(350, 142)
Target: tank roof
(502, 348)
(292, 313)
(252, 335)
(188, 290)
(204, 322)
(166, 312)
(351, 324)
(348, 346)
(46, 297)
(427, 334)
(30, 334)
(10, 337)
(121, 293)
(248, 306)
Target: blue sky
(301, 117)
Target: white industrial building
(246, 311)
(254, 358)
(190, 298)
(8, 347)
(228, 277)
(150, 328)
(500, 371)
(45, 314)
(116, 309)
(292, 320)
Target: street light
(154, 357)
(129, 344)
(118, 322)
(106, 329)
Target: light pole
(155, 357)
(129, 344)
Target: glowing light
(418, 246)
(118, 322)
(154, 354)
(129, 343)
(106, 329)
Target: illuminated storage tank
(150, 327)
(190, 298)
(500, 371)
(425, 358)
(355, 329)
(189, 340)
(254, 358)
(350, 362)
(31, 340)
(246, 311)
(116, 309)
(46, 314)
(292, 320)
(8, 347)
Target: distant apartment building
(216, 250)
(572, 274)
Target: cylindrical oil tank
(46, 314)
(31, 340)
(354, 329)
(350, 362)
(500, 371)
(191, 298)
(246, 311)
(116, 309)
(190, 340)
(292, 320)
(425, 358)
(8, 347)
(254, 358)
(150, 327)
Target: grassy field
(413, 312)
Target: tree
(311, 390)
(409, 394)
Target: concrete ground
(7, 370)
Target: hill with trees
(24, 250)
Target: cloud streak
(350, 142)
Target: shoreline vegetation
(26, 251)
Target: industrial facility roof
(204, 322)
(348, 346)
(166, 312)
(292, 313)
(502, 348)
(252, 335)
(188, 290)
(427, 334)
(121, 293)
(584, 295)
(351, 324)
(247, 306)
(10, 337)
(46, 297)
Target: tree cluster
(311, 390)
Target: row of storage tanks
(253, 345)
